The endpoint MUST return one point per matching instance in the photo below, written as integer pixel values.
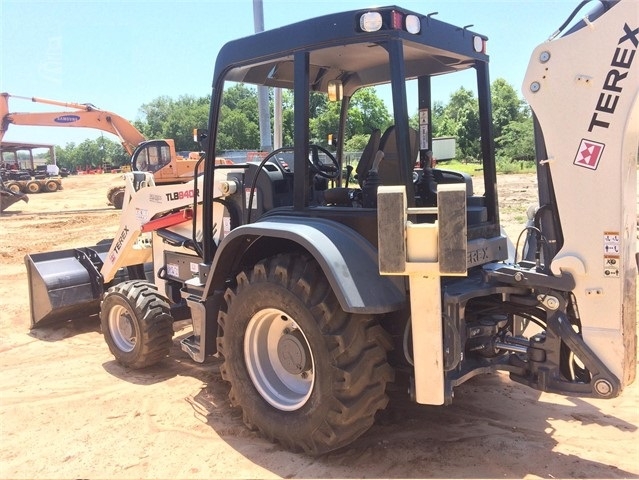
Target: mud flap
(65, 284)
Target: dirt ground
(68, 410)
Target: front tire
(304, 372)
(14, 187)
(137, 324)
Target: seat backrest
(389, 168)
(368, 155)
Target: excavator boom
(82, 115)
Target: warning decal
(611, 257)
(589, 154)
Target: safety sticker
(589, 154)
(611, 254)
(142, 215)
(611, 266)
(247, 194)
(173, 270)
(611, 242)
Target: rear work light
(371, 22)
(479, 44)
(374, 21)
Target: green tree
(507, 106)
(154, 117)
(517, 141)
(462, 117)
(174, 119)
(324, 123)
(366, 112)
(92, 154)
(235, 132)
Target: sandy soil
(68, 410)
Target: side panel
(347, 259)
(583, 89)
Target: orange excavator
(157, 157)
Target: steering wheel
(323, 170)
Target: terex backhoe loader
(157, 157)
(316, 293)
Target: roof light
(479, 44)
(413, 24)
(370, 21)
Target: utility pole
(262, 92)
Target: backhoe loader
(315, 293)
(154, 156)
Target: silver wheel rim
(122, 328)
(273, 347)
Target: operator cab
(322, 70)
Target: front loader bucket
(8, 198)
(66, 284)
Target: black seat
(389, 167)
(368, 155)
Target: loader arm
(151, 208)
(80, 115)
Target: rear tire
(304, 372)
(32, 187)
(137, 324)
(113, 193)
(52, 186)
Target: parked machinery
(316, 294)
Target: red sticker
(589, 154)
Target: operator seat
(341, 195)
(390, 166)
(368, 155)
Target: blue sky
(121, 54)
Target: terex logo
(180, 195)
(613, 84)
(66, 119)
(477, 256)
(121, 239)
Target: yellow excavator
(157, 157)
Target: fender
(346, 258)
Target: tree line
(165, 117)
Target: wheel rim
(279, 359)
(122, 328)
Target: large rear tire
(304, 372)
(32, 187)
(52, 186)
(137, 323)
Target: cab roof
(339, 49)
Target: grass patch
(503, 166)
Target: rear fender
(346, 258)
